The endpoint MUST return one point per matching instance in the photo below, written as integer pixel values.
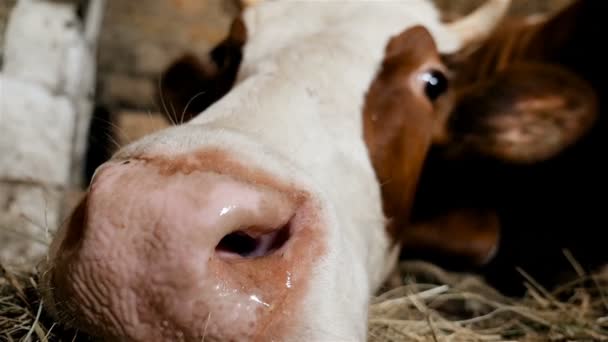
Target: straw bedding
(426, 303)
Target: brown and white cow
(265, 217)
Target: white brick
(37, 132)
(43, 39)
(46, 44)
(29, 216)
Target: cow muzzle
(155, 254)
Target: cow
(277, 211)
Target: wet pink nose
(152, 255)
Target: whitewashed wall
(46, 92)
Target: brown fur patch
(527, 113)
(399, 122)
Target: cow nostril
(251, 244)
(237, 243)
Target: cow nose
(152, 254)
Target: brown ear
(189, 86)
(186, 88)
(526, 113)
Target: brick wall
(140, 38)
(46, 85)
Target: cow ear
(189, 85)
(186, 88)
(526, 113)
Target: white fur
(296, 112)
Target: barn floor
(424, 304)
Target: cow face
(262, 218)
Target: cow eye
(435, 84)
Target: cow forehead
(274, 25)
(307, 67)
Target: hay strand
(430, 305)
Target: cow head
(265, 217)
